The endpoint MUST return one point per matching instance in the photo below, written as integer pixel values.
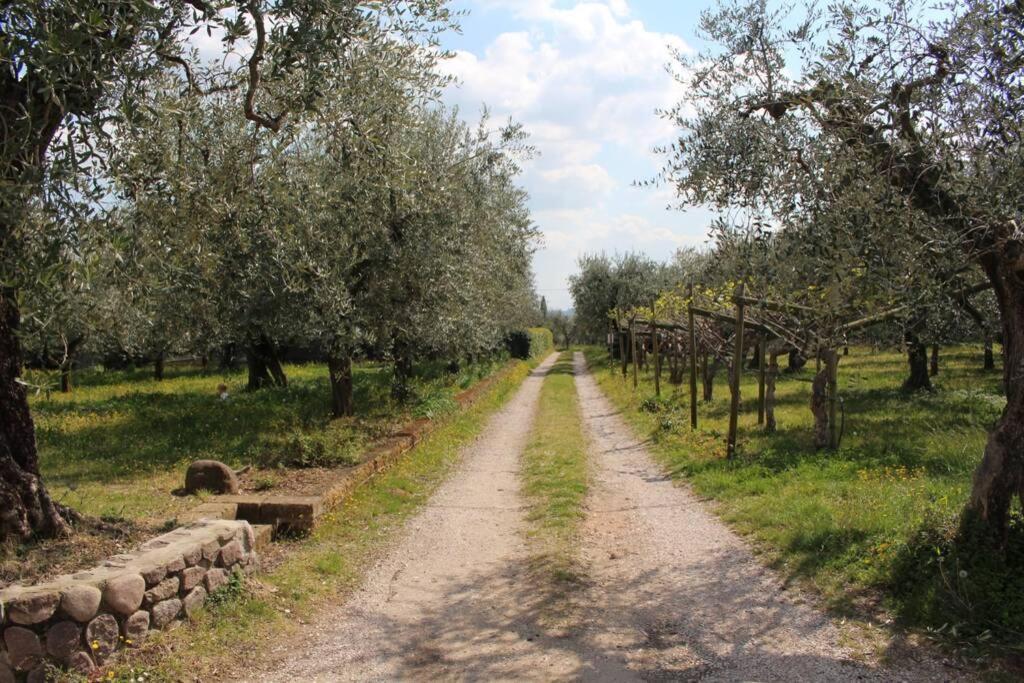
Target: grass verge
(554, 472)
(120, 441)
(320, 568)
(872, 526)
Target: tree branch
(271, 122)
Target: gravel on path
(689, 600)
(452, 599)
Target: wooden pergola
(825, 387)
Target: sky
(585, 79)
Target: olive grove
(883, 140)
(302, 186)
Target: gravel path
(677, 594)
(450, 598)
(669, 593)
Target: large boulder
(102, 635)
(80, 602)
(210, 475)
(123, 594)
(23, 647)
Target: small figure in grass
(222, 391)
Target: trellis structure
(778, 330)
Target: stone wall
(79, 622)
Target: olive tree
(605, 284)
(72, 66)
(930, 109)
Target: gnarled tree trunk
(755, 359)
(227, 357)
(934, 369)
(676, 366)
(264, 366)
(26, 509)
(65, 376)
(623, 355)
(990, 356)
(158, 367)
(340, 368)
(400, 386)
(1000, 476)
(917, 359)
(819, 407)
(710, 369)
(796, 361)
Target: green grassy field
(555, 473)
(871, 525)
(120, 442)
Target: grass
(119, 443)
(870, 524)
(554, 472)
(322, 567)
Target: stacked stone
(78, 622)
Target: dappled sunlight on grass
(119, 443)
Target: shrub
(531, 343)
(435, 404)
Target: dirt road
(669, 593)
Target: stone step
(264, 534)
(211, 510)
(284, 513)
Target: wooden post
(737, 369)
(693, 359)
(762, 351)
(769, 396)
(623, 358)
(632, 347)
(832, 366)
(655, 343)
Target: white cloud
(585, 81)
(587, 68)
(593, 177)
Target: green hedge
(542, 341)
(530, 343)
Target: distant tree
(562, 325)
(604, 284)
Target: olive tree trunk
(65, 376)
(796, 361)
(401, 386)
(999, 477)
(819, 408)
(264, 365)
(26, 509)
(755, 358)
(934, 369)
(917, 359)
(770, 378)
(340, 368)
(710, 369)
